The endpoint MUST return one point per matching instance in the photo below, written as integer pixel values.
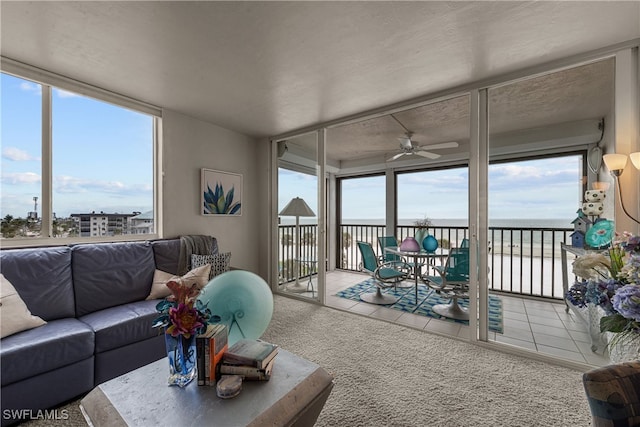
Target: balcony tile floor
(535, 325)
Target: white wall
(190, 144)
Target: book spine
(218, 345)
(258, 362)
(200, 360)
(246, 372)
(207, 366)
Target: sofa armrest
(613, 393)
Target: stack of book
(251, 359)
(210, 347)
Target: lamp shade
(615, 162)
(297, 207)
(635, 159)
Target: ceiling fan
(407, 148)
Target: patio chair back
(369, 260)
(388, 241)
(457, 268)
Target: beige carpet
(389, 375)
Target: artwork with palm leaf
(221, 193)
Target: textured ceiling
(266, 68)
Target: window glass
(363, 200)
(440, 195)
(102, 164)
(102, 159)
(21, 177)
(547, 189)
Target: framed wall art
(221, 193)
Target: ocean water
(441, 222)
(516, 240)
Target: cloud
(17, 155)
(61, 93)
(20, 178)
(31, 87)
(69, 184)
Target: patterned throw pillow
(219, 262)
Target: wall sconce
(616, 164)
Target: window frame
(48, 81)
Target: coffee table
(294, 396)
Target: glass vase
(181, 352)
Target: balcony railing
(522, 261)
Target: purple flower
(184, 320)
(626, 301)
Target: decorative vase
(623, 350)
(430, 243)
(410, 244)
(421, 233)
(181, 352)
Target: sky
(537, 189)
(103, 161)
(102, 154)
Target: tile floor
(536, 325)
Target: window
(441, 195)
(101, 157)
(20, 185)
(362, 200)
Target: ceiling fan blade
(395, 157)
(427, 154)
(451, 144)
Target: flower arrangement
(181, 313)
(423, 223)
(612, 281)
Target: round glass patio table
(419, 255)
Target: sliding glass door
(298, 235)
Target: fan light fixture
(407, 148)
(616, 164)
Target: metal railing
(522, 261)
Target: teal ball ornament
(430, 244)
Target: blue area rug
(427, 298)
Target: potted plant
(611, 281)
(422, 229)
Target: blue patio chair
(385, 275)
(391, 241)
(451, 281)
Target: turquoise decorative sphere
(243, 301)
(430, 244)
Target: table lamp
(297, 207)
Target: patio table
(416, 256)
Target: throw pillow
(219, 262)
(199, 276)
(14, 314)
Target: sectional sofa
(93, 298)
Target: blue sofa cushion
(111, 274)
(46, 285)
(122, 325)
(57, 344)
(167, 254)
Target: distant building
(142, 223)
(102, 224)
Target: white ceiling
(266, 68)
